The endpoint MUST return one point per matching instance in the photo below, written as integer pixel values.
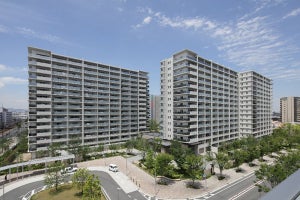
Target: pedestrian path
(21, 182)
(132, 178)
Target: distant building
(6, 119)
(20, 115)
(204, 103)
(290, 109)
(155, 107)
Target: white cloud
(293, 13)
(31, 33)
(147, 20)
(251, 43)
(11, 81)
(2, 67)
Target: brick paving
(146, 183)
(177, 189)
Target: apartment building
(155, 107)
(6, 119)
(72, 99)
(200, 102)
(290, 109)
(255, 114)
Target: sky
(259, 35)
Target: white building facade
(200, 101)
(155, 107)
(255, 110)
(72, 99)
(290, 109)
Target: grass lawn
(64, 192)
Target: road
(244, 189)
(18, 193)
(110, 186)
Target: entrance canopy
(37, 161)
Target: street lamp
(3, 189)
(118, 193)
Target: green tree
(210, 157)
(4, 143)
(222, 160)
(113, 147)
(149, 159)
(153, 126)
(194, 166)
(239, 157)
(273, 174)
(92, 188)
(54, 177)
(129, 145)
(79, 178)
(163, 164)
(156, 145)
(53, 149)
(100, 148)
(179, 152)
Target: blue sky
(259, 35)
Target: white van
(113, 168)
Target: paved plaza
(131, 178)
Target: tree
(54, 176)
(100, 148)
(239, 157)
(210, 156)
(156, 145)
(149, 159)
(79, 178)
(163, 165)
(4, 143)
(272, 175)
(179, 152)
(194, 166)
(129, 145)
(53, 149)
(222, 160)
(113, 147)
(92, 188)
(153, 126)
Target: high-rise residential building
(290, 109)
(155, 107)
(255, 108)
(200, 102)
(72, 99)
(6, 119)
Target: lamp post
(3, 190)
(118, 193)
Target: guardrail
(28, 195)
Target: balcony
(43, 85)
(41, 71)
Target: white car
(113, 168)
(68, 170)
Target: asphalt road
(18, 193)
(241, 190)
(111, 187)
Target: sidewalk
(132, 178)
(178, 189)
